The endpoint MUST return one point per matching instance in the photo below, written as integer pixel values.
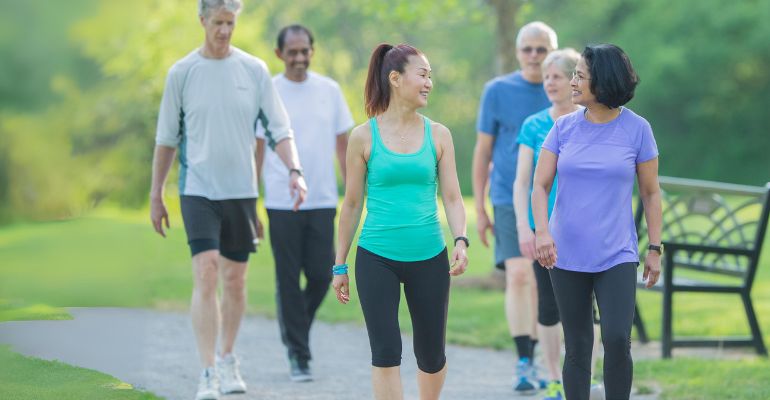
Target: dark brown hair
(385, 58)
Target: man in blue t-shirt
(505, 103)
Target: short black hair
(613, 78)
(296, 28)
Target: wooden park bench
(712, 235)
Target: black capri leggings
(615, 291)
(547, 310)
(426, 287)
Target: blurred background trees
(80, 81)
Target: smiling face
(530, 53)
(219, 26)
(414, 84)
(556, 84)
(296, 54)
(581, 85)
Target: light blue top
(507, 100)
(533, 133)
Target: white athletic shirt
(209, 111)
(318, 113)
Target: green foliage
(79, 95)
(703, 86)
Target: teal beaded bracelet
(340, 269)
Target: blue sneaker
(554, 391)
(523, 384)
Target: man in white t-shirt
(211, 103)
(303, 241)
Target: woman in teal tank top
(398, 160)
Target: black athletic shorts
(229, 226)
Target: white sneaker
(230, 380)
(208, 386)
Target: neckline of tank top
(423, 146)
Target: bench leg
(666, 336)
(756, 334)
(668, 294)
(641, 331)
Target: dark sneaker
(299, 370)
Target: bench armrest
(673, 247)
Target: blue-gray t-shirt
(505, 103)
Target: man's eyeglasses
(579, 78)
(530, 49)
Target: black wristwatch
(464, 239)
(297, 170)
(659, 248)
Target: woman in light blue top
(557, 69)
(399, 158)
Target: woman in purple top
(590, 243)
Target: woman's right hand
(545, 249)
(341, 285)
(527, 242)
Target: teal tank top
(401, 211)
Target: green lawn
(113, 258)
(31, 378)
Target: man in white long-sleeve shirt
(213, 99)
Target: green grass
(25, 378)
(698, 379)
(113, 258)
(18, 311)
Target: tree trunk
(505, 13)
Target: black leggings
(547, 310)
(615, 291)
(426, 287)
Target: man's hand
(158, 213)
(298, 189)
(482, 225)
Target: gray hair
(566, 59)
(206, 6)
(535, 29)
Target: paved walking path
(155, 351)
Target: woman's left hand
(459, 260)
(651, 269)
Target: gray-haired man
(212, 102)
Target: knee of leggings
(616, 342)
(547, 312)
(548, 315)
(577, 344)
(385, 356)
(431, 365)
